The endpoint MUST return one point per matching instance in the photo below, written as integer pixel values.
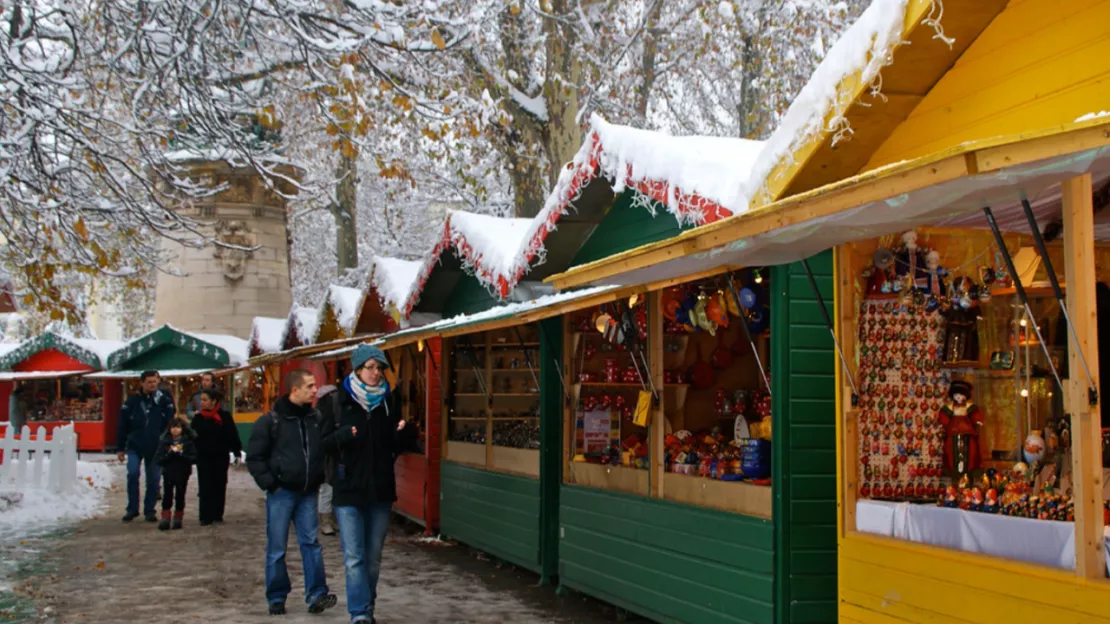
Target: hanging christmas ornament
(700, 317)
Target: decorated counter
(46, 374)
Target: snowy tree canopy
(374, 112)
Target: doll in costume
(962, 421)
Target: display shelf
(523, 369)
(524, 462)
(466, 453)
(1037, 290)
(498, 394)
(602, 384)
(516, 345)
(610, 478)
(468, 419)
(733, 496)
(968, 365)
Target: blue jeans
(362, 532)
(153, 474)
(285, 507)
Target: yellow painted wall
(1039, 64)
(885, 580)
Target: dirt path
(110, 572)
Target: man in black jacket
(283, 456)
(142, 420)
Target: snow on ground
(25, 511)
(26, 515)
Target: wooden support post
(569, 415)
(846, 318)
(446, 369)
(489, 400)
(657, 428)
(1079, 254)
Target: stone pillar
(221, 290)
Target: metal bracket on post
(558, 367)
(631, 335)
(832, 332)
(468, 347)
(527, 359)
(1038, 240)
(748, 335)
(1020, 289)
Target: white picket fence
(45, 462)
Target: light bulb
(758, 277)
(633, 300)
(1024, 392)
(420, 345)
(1022, 322)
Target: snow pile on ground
(865, 48)
(35, 511)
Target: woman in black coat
(217, 439)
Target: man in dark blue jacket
(142, 420)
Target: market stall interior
(493, 400)
(714, 360)
(963, 343)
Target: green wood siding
(493, 512)
(803, 368)
(468, 296)
(627, 227)
(669, 562)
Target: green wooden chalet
(171, 349)
(627, 188)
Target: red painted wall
(433, 444)
(51, 360)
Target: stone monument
(223, 287)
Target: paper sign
(596, 427)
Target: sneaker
(128, 517)
(277, 608)
(322, 602)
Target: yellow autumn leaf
(81, 230)
(438, 39)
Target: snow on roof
(693, 176)
(500, 311)
(865, 48)
(346, 304)
(394, 279)
(102, 348)
(305, 321)
(485, 245)
(237, 348)
(488, 244)
(267, 335)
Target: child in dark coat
(176, 455)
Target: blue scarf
(368, 397)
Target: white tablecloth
(1043, 542)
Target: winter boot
(327, 524)
(177, 517)
(164, 525)
(322, 602)
(128, 517)
(277, 608)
